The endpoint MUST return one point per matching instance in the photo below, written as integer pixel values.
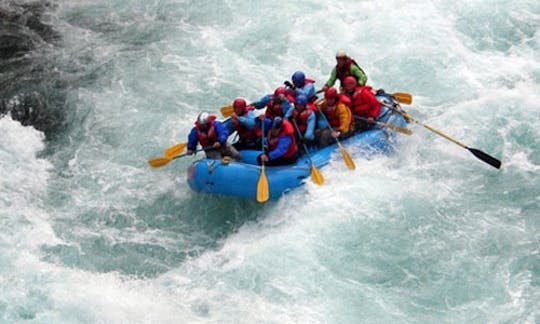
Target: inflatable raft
(240, 179)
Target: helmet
(301, 99)
(280, 90)
(349, 81)
(277, 122)
(298, 78)
(239, 103)
(341, 53)
(203, 118)
(330, 93)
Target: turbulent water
(89, 233)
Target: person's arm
(360, 76)
(333, 77)
(282, 146)
(263, 101)
(248, 120)
(192, 139)
(308, 90)
(287, 107)
(222, 133)
(345, 116)
(310, 129)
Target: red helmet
(280, 90)
(350, 80)
(239, 103)
(330, 93)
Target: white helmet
(341, 53)
(203, 118)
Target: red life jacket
(301, 118)
(287, 130)
(209, 137)
(364, 102)
(345, 70)
(273, 111)
(243, 131)
(331, 116)
(344, 99)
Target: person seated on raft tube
(364, 104)
(304, 117)
(243, 122)
(302, 85)
(277, 104)
(337, 114)
(281, 148)
(212, 135)
(346, 66)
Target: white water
(91, 234)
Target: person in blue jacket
(302, 85)
(212, 135)
(305, 118)
(281, 147)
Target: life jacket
(245, 133)
(331, 114)
(345, 70)
(273, 111)
(287, 130)
(209, 137)
(301, 118)
(360, 107)
(344, 99)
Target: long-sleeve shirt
(355, 71)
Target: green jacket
(355, 71)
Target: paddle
(170, 154)
(479, 154)
(403, 97)
(316, 175)
(348, 160)
(262, 184)
(397, 128)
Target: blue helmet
(277, 123)
(301, 99)
(298, 78)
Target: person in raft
(212, 135)
(281, 147)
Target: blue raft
(240, 178)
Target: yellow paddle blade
(158, 162)
(348, 160)
(175, 150)
(262, 187)
(403, 97)
(316, 176)
(227, 111)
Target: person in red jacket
(363, 103)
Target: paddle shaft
(476, 152)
